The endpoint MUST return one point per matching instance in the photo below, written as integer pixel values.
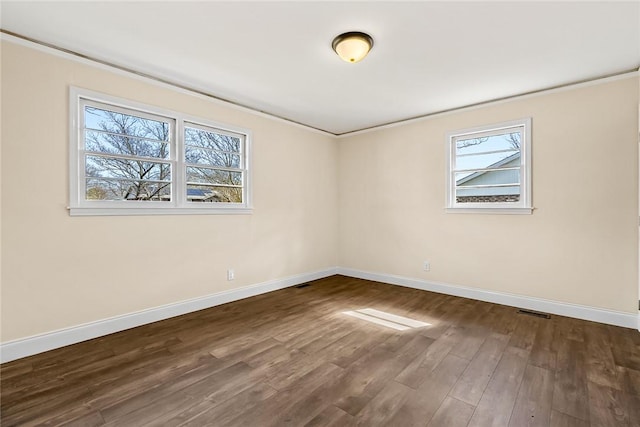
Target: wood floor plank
(533, 404)
(332, 416)
(575, 329)
(172, 404)
(626, 358)
(54, 367)
(630, 380)
(452, 412)
(53, 375)
(475, 378)
(117, 364)
(315, 339)
(237, 344)
(221, 384)
(17, 398)
(207, 412)
(417, 371)
(633, 406)
(15, 368)
(347, 347)
(365, 378)
(398, 339)
(497, 402)
(625, 347)
(292, 370)
(292, 357)
(132, 384)
(271, 357)
(63, 401)
(420, 406)
(307, 407)
(599, 359)
(570, 394)
(384, 405)
(73, 418)
(501, 320)
(524, 335)
(607, 406)
(144, 397)
(280, 404)
(373, 336)
(558, 419)
(543, 354)
(358, 386)
(435, 330)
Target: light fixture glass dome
(353, 46)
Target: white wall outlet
(231, 274)
(426, 266)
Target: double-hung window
(489, 168)
(133, 159)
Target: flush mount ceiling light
(352, 46)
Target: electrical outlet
(231, 274)
(426, 266)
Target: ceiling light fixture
(352, 46)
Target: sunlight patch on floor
(386, 319)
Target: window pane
(111, 167)
(489, 165)
(495, 177)
(123, 144)
(491, 160)
(124, 156)
(212, 158)
(115, 189)
(506, 141)
(125, 124)
(488, 186)
(213, 176)
(210, 148)
(211, 140)
(199, 193)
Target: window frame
(179, 204)
(524, 204)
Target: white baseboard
(29, 346)
(617, 318)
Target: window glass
(489, 167)
(125, 158)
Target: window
(489, 169)
(132, 159)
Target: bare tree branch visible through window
(211, 153)
(126, 147)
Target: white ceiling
(276, 57)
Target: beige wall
(60, 271)
(579, 246)
(373, 202)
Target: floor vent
(534, 313)
(304, 285)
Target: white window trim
(524, 205)
(78, 206)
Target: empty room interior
(320, 213)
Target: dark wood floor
(292, 357)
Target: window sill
(499, 211)
(88, 211)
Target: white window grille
(131, 159)
(489, 168)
